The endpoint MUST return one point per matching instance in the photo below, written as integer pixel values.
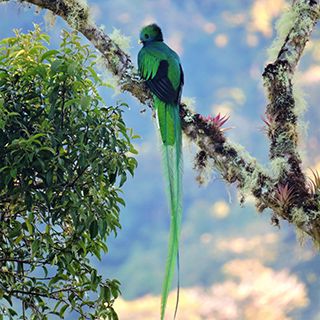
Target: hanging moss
(190, 102)
(279, 166)
(299, 217)
(122, 41)
(78, 14)
(50, 19)
(283, 26)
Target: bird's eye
(146, 36)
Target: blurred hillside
(227, 251)
(254, 292)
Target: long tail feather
(178, 286)
(170, 130)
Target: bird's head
(150, 33)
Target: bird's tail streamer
(170, 130)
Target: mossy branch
(283, 133)
(286, 192)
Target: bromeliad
(160, 67)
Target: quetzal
(161, 69)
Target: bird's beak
(139, 41)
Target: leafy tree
(64, 157)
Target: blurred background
(234, 264)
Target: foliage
(64, 157)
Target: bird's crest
(150, 33)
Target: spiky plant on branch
(314, 182)
(269, 124)
(218, 121)
(284, 196)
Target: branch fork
(286, 194)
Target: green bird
(161, 69)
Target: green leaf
(72, 67)
(93, 229)
(105, 293)
(13, 172)
(48, 54)
(15, 231)
(29, 227)
(94, 279)
(54, 280)
(12, 312)
(123, 180)
(85, 102)
(20, 267)
(115, 292)
(120, 200)
(35, 247)
(103, 225)
(133, 150)
(63, 310)
(45, 148)
(48, 177)
(55, 66)
(94, 74)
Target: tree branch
(283, 118)
(286, 193)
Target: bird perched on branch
(161, 69)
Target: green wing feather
(149, 59)
(149, 62)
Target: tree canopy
(64, 156)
